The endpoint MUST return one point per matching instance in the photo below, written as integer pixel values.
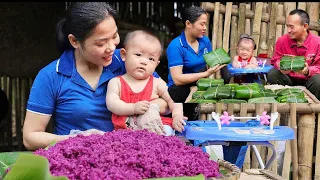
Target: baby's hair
(246, 36)
(148, 34)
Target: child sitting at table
(128, 95)
(244, 59)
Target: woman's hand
(214, 69)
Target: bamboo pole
(257, 24)
(230, 108)
(302, 5)
(279, 31)
(287, 160)
(243, 113)
(306, 126)
(265, 17)
(272, 29)
(248, 21)
(14, 107)
(203, 6)
(317, 160)
(313, 11)
(18, 114)
(241, 19)
(262, 47)
(294, 150)
(219, 42)
(288, 6)
(282, 108)
(215, 26)
(226, 30)
(234, 36)
(274, 167)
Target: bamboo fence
(265, 22)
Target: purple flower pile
(126, 154)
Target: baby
(128, 96)
(244, 59)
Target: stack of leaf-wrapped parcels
(214, 90)
(291, 95)
(218, 56)
(292, 63)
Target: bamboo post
(243, 113)
(255, 164)
(302, 5)
(306, 126)
(215, 25)
(14, 107)
(287, 159)
(257, 24)
(317, 160)
(294, 150)
(241, 19)
(8, 90)
(234, 36)
(248, 21)
(288, 6)
(313, 11)
(262, 47)
(230, 108)
(18, 115)
(274, 167)
(219, 41)
(203, 6)
(279, 31)
(226, 31)
(272, 28)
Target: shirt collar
(65, 64)
(184, 43)
(305, 43)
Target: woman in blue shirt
(185, 54)
(72, 89)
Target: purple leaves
(126, 154)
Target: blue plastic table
(207, 133)
(241, 71)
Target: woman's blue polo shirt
(60, 91)
(180, 53)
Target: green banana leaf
(268, 93)
(294, 63)
(198, 95)
(263, 100)
(292, 98)
(203, 101)
(204, 83)
(247, 91)
(287, 91)
(218, 56)
(26, 166)
(219, 92)
(233, 101)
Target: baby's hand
(178, 118)
(141, 107)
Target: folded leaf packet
(267, 93)
(198, 95)
(218, 92)
(233, 101)
(294, 63)
(292, 98)
(204, 83)
(263, 100)
(218, 56)
(286, 91)
(247, 91)
(202, 101)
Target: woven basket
(233, 172)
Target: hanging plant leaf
(29, 166)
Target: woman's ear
(123, 54)
(73, 41)
(188, 24)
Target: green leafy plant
(29, 166)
